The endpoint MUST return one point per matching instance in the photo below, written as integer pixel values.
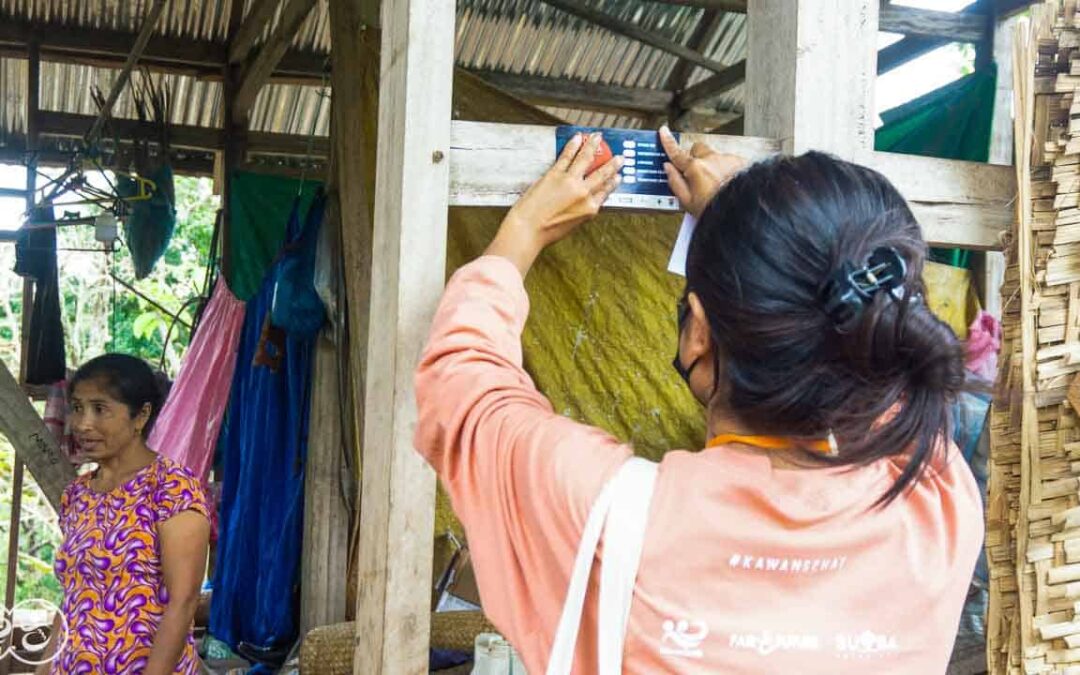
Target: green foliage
(100, 315)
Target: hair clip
(849, 290)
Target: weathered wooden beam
(810, 74)
(959, 204)
(493, 164)
(636, 32)
(912, 47)
(963, 204)
(57, 152)
(34, 445)
(953, 26)
(558, 91)
(242, 42)
(737, 6)
(710, 88)
(108, 48)
(257, 72)
(408, 271)
(708, 25)
(184, 136)
(733, 127)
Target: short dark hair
(759, 260)
(128, 379)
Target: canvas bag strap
(628, 492)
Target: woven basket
(328, 650)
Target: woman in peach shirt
(829, 526)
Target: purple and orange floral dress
(110, 568)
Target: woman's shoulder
(170, 474)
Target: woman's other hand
(696, 176)
(564, 198)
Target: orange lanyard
(823, 446)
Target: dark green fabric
(952, 122)
(260, 205)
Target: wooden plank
(52, 153)
(636, 32)
(954, 26)
(493, 164)
(353, 121)
(737, 6)
(810, 74)
(963, 204)
(251, 29)
(579, 94)
(408, 268)
(325, 552)
(33, 443)
(958, 203)
(710, 22)
(712, 87)
(912, 47)
(258, 71)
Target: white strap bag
(621, 513)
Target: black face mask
(676, 363)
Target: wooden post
(326, 517)
(353, 126)
(810, 74)
(33, 82)
(408, 268)
(991, 274)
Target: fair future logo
(24, 636)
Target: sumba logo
(866, 644)
(684, 638)
(28, 641)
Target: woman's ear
(143, 417)
(697, 334)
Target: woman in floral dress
(136, 532)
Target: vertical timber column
(810, 74)
(408, 268)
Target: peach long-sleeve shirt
(746, 568)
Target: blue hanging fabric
(263, 449)
(297, 307)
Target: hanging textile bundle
(148, 199)
(263, 445)
(35, 258)
(150, 222)
(297, 307)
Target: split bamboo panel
(1033, 513)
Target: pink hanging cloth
(187, 429)
(983, 344)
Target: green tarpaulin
(260, 206)
(952, 122)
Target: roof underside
(522, 37)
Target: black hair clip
(849, 290)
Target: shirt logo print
(685, 638)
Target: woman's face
(103, 426)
